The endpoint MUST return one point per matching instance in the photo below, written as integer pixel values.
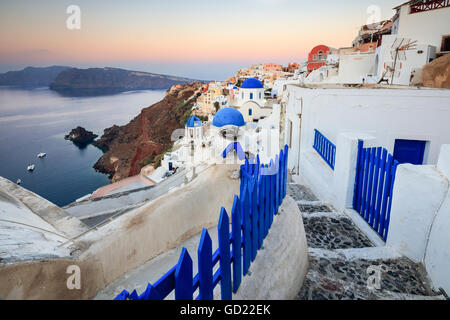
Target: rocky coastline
(144, 139)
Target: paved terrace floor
(94, 212)
(340, 256)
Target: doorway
(409, 151)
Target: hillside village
(357, 142)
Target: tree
(217, 105)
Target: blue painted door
(409, 151)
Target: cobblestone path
(344, 263)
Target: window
(250, 112)
(320, 55)
(445, 43)
(242, 95)
(251, 96)
(315, 57)
(260, 96)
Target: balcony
(428, 5)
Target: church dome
(228, 117)
(252, 83)
(193, 122)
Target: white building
(357, 68)
(205, 142)
(250, 101)
(424, 21)
(420, 32)
(412, 124)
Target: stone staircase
(344, 263)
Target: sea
(35, 120)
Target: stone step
(333, 231)
(300, 193)
(314, 207)
(333, 276)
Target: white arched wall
(254, 107)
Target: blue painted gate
(374, 183)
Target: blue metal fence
(262, 190)
(325, 148)
(374, 184)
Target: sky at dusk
(202, 39)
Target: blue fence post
(277, 184)
(205, 268)
(361, 181)
(183, 277)
(133, 296)
(357, 176)
(258, 164)
(387, 183)
(245, 211)
(260, 208)
(391, 191)
(366, 182)
(237, 243)
(373, 200)
(272, 191)
(370, 185)
(266, 200)
(150, 293)
(224, 252)
(281, 178)
(241, 186)
(286, 158)
(123, 295)
(380, 191)
(254, 216)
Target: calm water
(36, 120)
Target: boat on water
(19, 181)
(41, 155)
(30, 167)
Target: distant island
(32, 76)
(96, 81)
(89, 82)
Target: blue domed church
(250, 101)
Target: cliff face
(130, 147)
(95, 81)
(436, 74)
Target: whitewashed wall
(385, 114)
(420, 214)
(414, 58)
(426, 27)
(354, 67)
(437, 256)
(420, 217)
